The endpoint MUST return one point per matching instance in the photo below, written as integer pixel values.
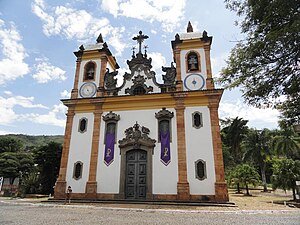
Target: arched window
(111, 119)
(164, 117)
(193, 62)
(111, 128)
(77, 171)
(82, 125)
(89, 71)
(197, 120)
(200, 167)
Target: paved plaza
(14, 212)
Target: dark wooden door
(136, 174)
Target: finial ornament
(133, 52)
(81, 48)
(140, 38)
(145, 47)
(189, 27)
(99, 39)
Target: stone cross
(140, 38)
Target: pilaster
(100, 91)
(74, 92)
(183, 189)
(91, 185)
(209, 79)
(179, 84)
(221, 193)
(60, 186)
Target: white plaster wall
(80, 150)
(202, 62)
(81, 73)
(164, 178)
(199, 146)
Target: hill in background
(29, 141)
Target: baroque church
(144, 139)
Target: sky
(38, 38)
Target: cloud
(8, 103)
(54, 117)
(158, 60)
(12, 65)
(45, 72)
(65, 94)
(259, 118)
(76, 24)
(167, 12)
(218, 62)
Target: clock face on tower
(194, 82)
(88, 90)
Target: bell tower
(92, 63)
(191, 51)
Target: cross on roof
(140, 38)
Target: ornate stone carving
(170, 76)
(111, 117)
(164, 114)
(110, 82)
(136, 136)
(140, 66)
(139, 86)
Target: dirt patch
(262, 200)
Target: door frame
(123, 152)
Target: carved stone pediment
(136, 137)
(164, 114)
(111, 117)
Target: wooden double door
(136, 174)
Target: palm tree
(285, 143)
(233, 135)
(258, 148)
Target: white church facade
(144, 140)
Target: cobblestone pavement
(18, 213)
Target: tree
(285, 144)
(266, 63)
(285, 174)
(257, 146)
(9, 166)
(13, 165)
(232, 136)
(8, 144)
(48, 159)
(246, 175)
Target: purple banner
(109, 148)
(165, 154)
